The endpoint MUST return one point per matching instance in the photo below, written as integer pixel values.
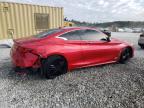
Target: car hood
(114, 40)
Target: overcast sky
(96, 10)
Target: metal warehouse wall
(18, 20)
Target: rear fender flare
(57, 54)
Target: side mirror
(103, 39)
(107, 39)
(108, 33)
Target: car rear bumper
(25, 60)
(20, 70)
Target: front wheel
(54, 66)
(125, 55)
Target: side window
(73, 35)
(92, 35)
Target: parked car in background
(141, 41)
(58, 50)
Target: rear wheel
(125, 55)
(54, 66)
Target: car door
(73, 48)
(96, 50)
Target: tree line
(129, 24)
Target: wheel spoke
(125, 55)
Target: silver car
(141, 41)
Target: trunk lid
(25, 40)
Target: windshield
(47, 33)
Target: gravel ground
(107, 86)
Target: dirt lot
(108, 86)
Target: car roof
(76, 28)
(70, 28)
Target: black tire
(54, 66)
(125, 55)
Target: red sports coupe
(56, 51)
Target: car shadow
(7, 72)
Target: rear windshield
(47, 33)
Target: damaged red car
(57, 51)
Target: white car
(141, 41)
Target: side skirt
(94, 65)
